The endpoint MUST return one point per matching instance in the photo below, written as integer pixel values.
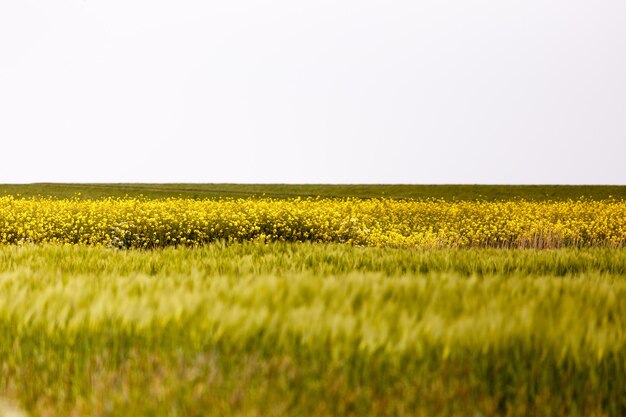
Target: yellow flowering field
(142, 223)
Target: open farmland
(143, 223)
(395, 191)
(301, 329)
(312, 306)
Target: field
(145, 223)
(398, 191)
(279, 306)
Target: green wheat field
(259, 328)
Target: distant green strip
(399, 191)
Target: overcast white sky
(324, 91)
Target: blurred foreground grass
(306, 330)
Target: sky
(324, 91)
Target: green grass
(252, 258)
(312, 330)
(448, 192)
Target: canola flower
(142, 223)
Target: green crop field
(312, 330)
(448, 192)
(179, 300)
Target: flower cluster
(143, 223)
